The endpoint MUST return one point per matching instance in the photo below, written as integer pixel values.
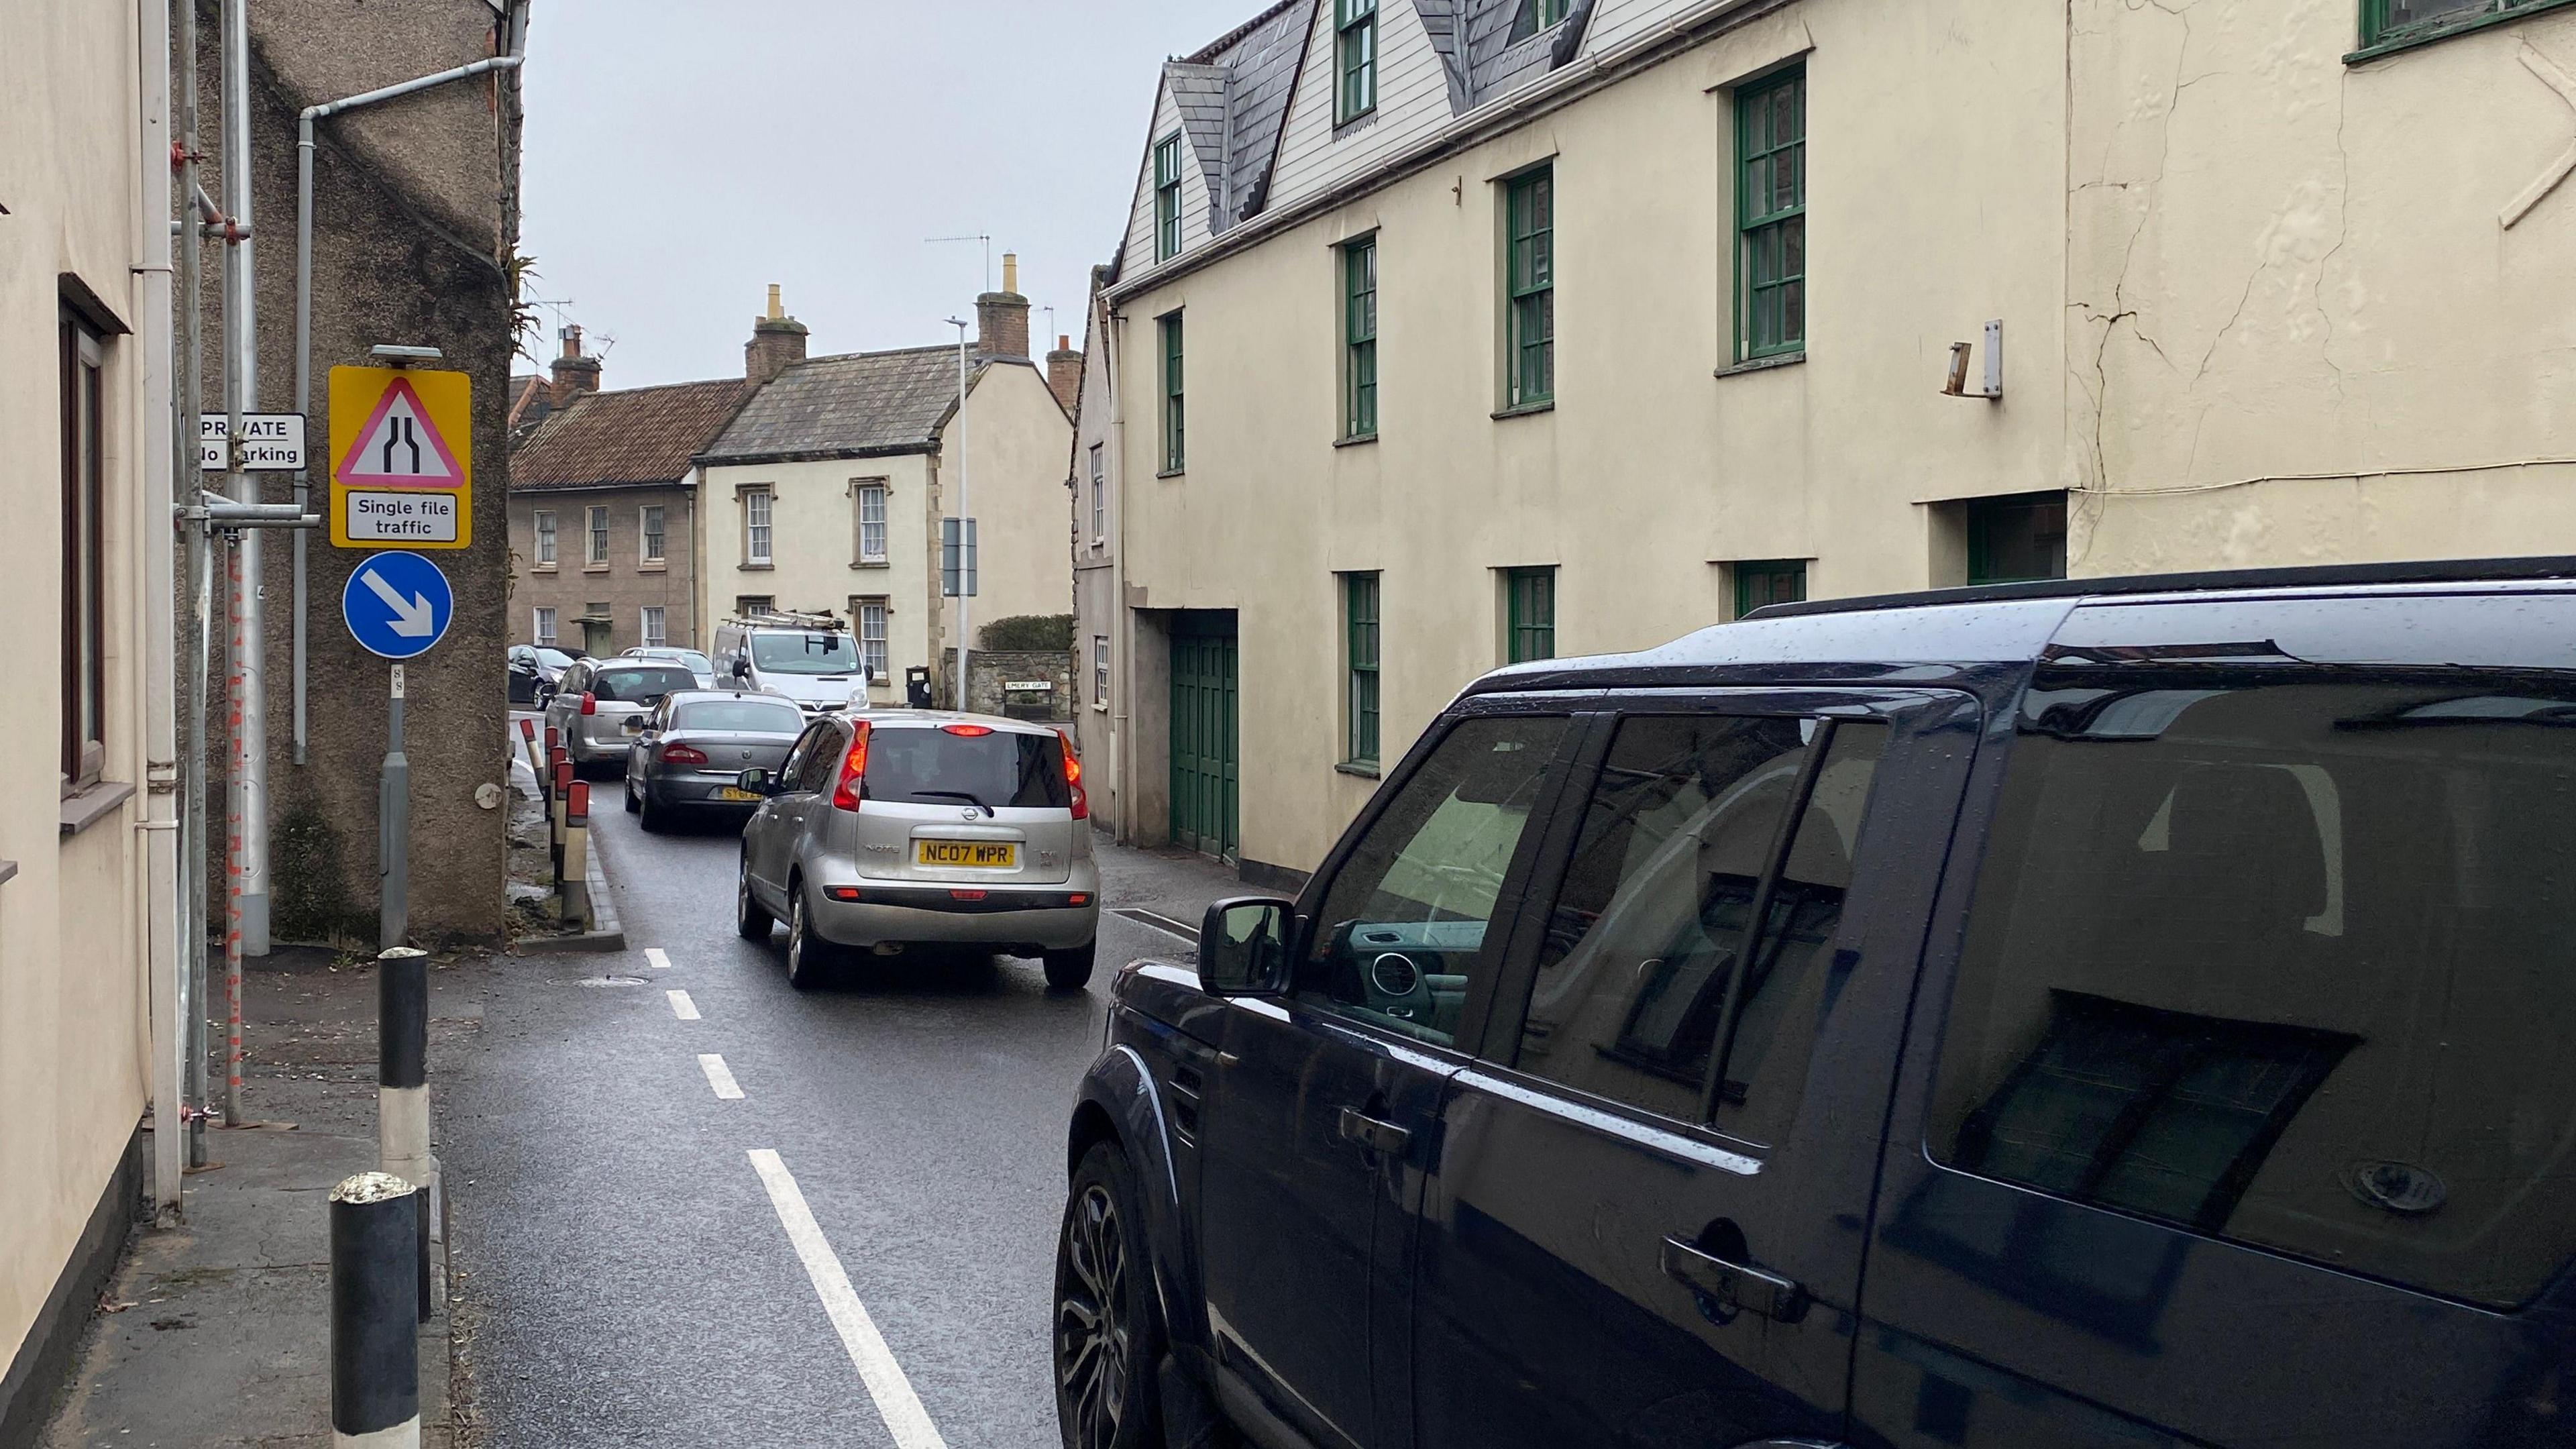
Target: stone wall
(996, 670)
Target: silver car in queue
(900, 828)
(595, 699)
(688, 753)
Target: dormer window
(1167, 198)
(1538, 15)
(1355, 22)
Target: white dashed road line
(681, 1006)
(719, 1076)
(901, 1409)
(657, 958)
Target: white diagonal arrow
(413, 617)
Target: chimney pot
(1010, 271)
(775, 311)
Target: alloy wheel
(1091, 1331)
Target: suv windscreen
(1000, 769)
(805, 652)
(2291, 963)
(739, 715)
(640, 683)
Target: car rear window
(2292, 964)
(999, 769)
(641, 683)
(739, 714)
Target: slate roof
(1233, 96)
(851, 406)
(635, 435)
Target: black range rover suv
(2119, 1013)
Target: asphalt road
(633, 1277)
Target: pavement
(695, 1206)
(216, 1332)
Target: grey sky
(681, 155)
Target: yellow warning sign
(402, 458)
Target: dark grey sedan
(689, 752)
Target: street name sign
(397, 604)
(402, 458)
(273, 442)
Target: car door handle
(1734, 1285)
(1373, 1134)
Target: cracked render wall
(2349, 281)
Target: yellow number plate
(975, 854)
(736, 792)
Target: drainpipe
(515, 27)
(164, 444)
(193, 599)
(246, 853)
(965, 534)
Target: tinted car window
(640, 683)
(999, 769)
(1402, 929)
(738, 714)
(2291, 964)
(1636, 970)
(805, 653)
(825, 747)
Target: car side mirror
(632, 724)
(1243, 946)
(741, 668)
(756, 781)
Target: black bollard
(375, 1312)
(402, 1088)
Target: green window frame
(1360, 643)
(2400, 22)
(1175, 412)
(1359, 338)
(1355, 49)
(1771, 216)
(1759, 582)
(1529, 615)
(1167, 197)
(2016, 537)
(1529, 212)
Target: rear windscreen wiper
(964, 795)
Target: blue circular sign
(397, 604)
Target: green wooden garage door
(1206, 748)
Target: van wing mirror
(1243, 946)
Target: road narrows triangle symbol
(400, 447)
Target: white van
(812, 659)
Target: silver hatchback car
(882, 831)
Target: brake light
(589, 702)
(682, 755)
(845, 793)
(1073, 778)
(966, 731)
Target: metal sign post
(397, 605)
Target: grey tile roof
(1233, 97)
(851, 406)
(1440, 22)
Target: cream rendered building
(1446, 332)
(87, 887)
(826, 492)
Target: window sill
(1098, 706)
(1765, 364)
(1365, 769)
(1173, 473)
(544, 568)
(870, 563)
(92, 805)
(653, 566)
(597, 568)
(753, 568)
(1362, 440)
(2437, 34)
(1526, 409)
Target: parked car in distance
(690, 659)
(689, 752)
(884, 831)
(811, 659)
(596, 697)
(2163, 985)
(534, 668)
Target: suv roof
(1867, 637)
(929, 718)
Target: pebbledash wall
(2256, 310)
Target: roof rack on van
(2434, 571)
(791, 619)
